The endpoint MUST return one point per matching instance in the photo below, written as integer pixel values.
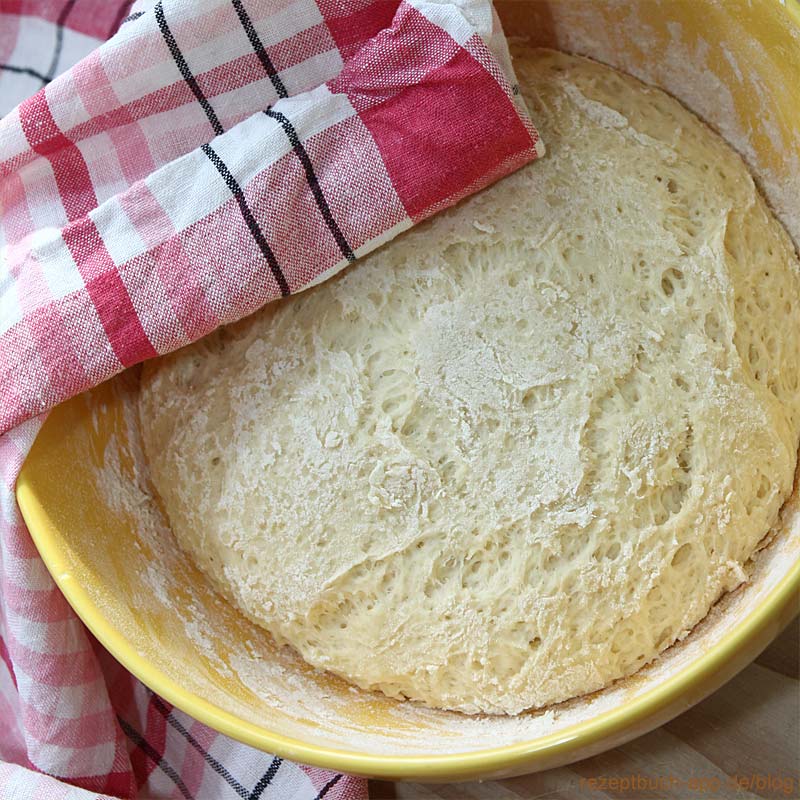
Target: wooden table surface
(748, 730)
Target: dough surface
(517, 452)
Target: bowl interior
(112, 553)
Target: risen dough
(517, 452)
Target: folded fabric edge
(392, 120)
(482, 17)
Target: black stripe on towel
(183, 68)
(247, 214)
(266, 779)
(66, 9)
(154, 756)
(259, 49)
(313, 182)
(24, 71)
(207, 757)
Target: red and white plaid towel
(211, 156)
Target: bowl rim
(434, 766)
(793, 7)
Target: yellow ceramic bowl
(735, 63)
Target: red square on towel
(419, 155)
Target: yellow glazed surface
(738, 65)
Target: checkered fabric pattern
(209, 157)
